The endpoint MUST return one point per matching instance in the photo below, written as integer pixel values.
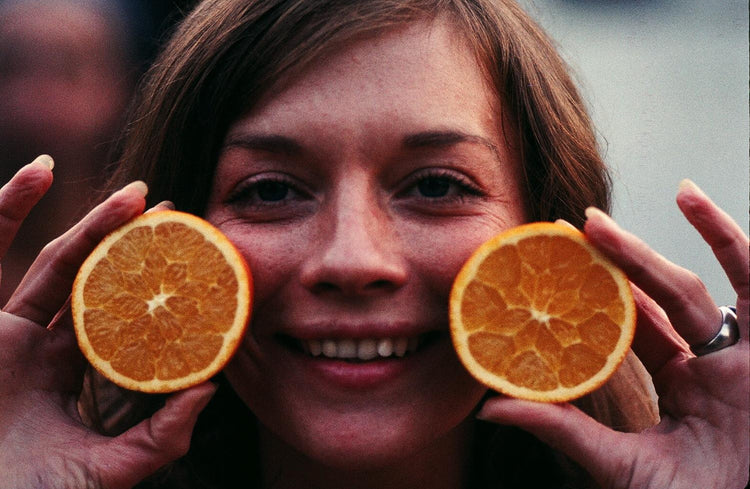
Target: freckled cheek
(271, 256)
(439, 252)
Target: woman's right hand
(43, 442)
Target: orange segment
(161, 303)
(538, 313)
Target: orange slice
(161, 303)
(538, 313)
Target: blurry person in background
(67, 69)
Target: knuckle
(685, 289)
(692, 285)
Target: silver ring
(728, 334)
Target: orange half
(162, 303)
(538, 313)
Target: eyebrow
(272, 143)
(447, 138)
(276, 143)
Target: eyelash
(246, 194)
(465, 186)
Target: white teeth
(347, 349)
(329, 348)
(366, 349)
(385, 347)
(400, 346)
(315, 347)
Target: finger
(729, 243)
(727, 240)
(655, 342)
(566, 429)
(20, 194)
(681, 294)
(156, 441)
(46, 286)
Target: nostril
(375, 285)
(379, 284)
(325, 287)
(354, 263)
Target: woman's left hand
(703, 438)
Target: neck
(442, 465)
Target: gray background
(667, 87)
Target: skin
(353, 247)
(701, 441)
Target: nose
(357, 251)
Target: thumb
(156, 441)
(595, 447)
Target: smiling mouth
(362, 350)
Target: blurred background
(666, 82)
(67, 72)
(667, 86)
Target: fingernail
(167, 204)
(45, 160)
(689, 185)
(139, 186)
(593, 212)
(563, 222)
(163, 205)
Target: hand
(43, 442)
(702, 439)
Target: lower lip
(364, 375)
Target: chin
(340, 416)
(371, 442)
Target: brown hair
(228, 53)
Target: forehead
(426, 65)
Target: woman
(356, 153)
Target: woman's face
(356, 191)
